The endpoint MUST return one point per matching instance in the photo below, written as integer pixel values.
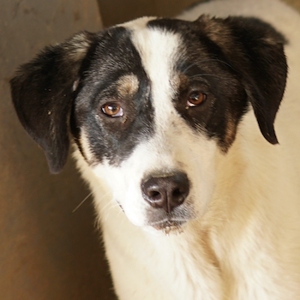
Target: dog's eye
(113, 110)
(196, 98)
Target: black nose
(167, 192)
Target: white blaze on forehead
(158, 49)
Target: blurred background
(49, 248)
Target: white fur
(244, 240)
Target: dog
(196, 187)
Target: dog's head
(149, 102)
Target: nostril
(177, 193)
(154, 195)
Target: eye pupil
(112, 110)
(196, 98)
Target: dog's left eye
(196, 98)
(113, 110)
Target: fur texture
(173, 128)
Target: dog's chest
(182, 266)
(187, 269)
(169, 268)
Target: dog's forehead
(143, 46)
(158, 46)
(159, 50)
(155, 41)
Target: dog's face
(150, 103)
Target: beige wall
(294, 3)
(118, 11)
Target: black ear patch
(42, 92)
(254, 50)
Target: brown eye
(113, 110)
(196, 98)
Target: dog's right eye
(196, 98)
(113, 110)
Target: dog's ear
(254, 50)
(42, 93)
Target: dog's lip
(169, 225)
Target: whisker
(220, 61)
(108, 205)
(108, 208)
(79, 205)
(188, 67)
(202, 75)
(207, 60)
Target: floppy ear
(254, 50)
(42, 93)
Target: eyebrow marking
(127, 85)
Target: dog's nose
(167, 192)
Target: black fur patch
(113, 138)
(235, 62)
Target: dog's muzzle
(165, 193)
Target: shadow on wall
(47, 251)
(118, 11)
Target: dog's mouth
(169, 226)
